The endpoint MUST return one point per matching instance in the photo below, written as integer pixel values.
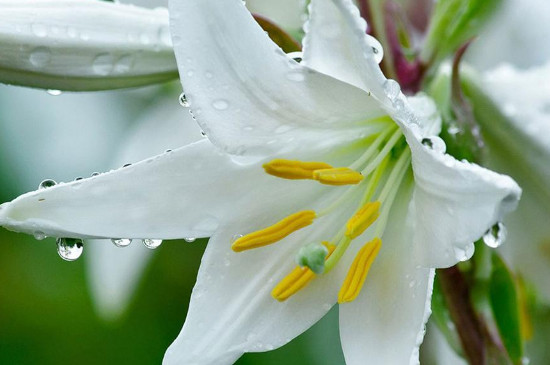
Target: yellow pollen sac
(274, 233)
(338, 176)
(362, 219)
(298, 278)
(295, 170)
(358, 271)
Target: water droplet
(69, 249)
(296, 56)
(124, 64)
(203, 133)
(53, 92)
(189, 239)
(190, 73)
(220, 104)
(295, 76)
(48, 183)
(282, 129)
(103, 64)
(183, 101)
(95, 174)
(391, 89)
(39, 235)
(72, 32)
(208, 75)
(121, 242)
(434, 143)
(236, 237)
(126, 165)
(40, 30)
(495, 236)
(78, 178)
(151, 243)
(40, 57)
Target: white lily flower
(335, 119)
(83, 45)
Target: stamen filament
(274, 233)
(341, 247)
(358, 271)
(391, 188)
(396, 136)
(298, 278)
(372, 148)
(337, 176)
(293, 169)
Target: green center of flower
(377, 174)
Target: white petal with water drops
(83, 45)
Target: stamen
(291, 169)
(274, 233)
(337, 176)
(298, 278)
(362, 219)
(358, 271)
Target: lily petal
(385, 324)
(246, 94)
(83, 45)
(454, 204)
(330, 45)
(144, 192)
(358, 45)
(113, 273)
(232, 311)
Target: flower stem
(468, 326)
(479, 345)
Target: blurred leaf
(453, 23)
(505, 306)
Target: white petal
(83, 45)
(358, 45)
(113, 273)
(454, 204)
(183, 193)
(385, 324)
(246, 94)
(331, 44)
(232, 311)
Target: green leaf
(453, 23)
(505, 307)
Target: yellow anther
(338, 176)
(290, 169)
(358, 271)
(274, 233)
(362, 219)
(298, 278)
